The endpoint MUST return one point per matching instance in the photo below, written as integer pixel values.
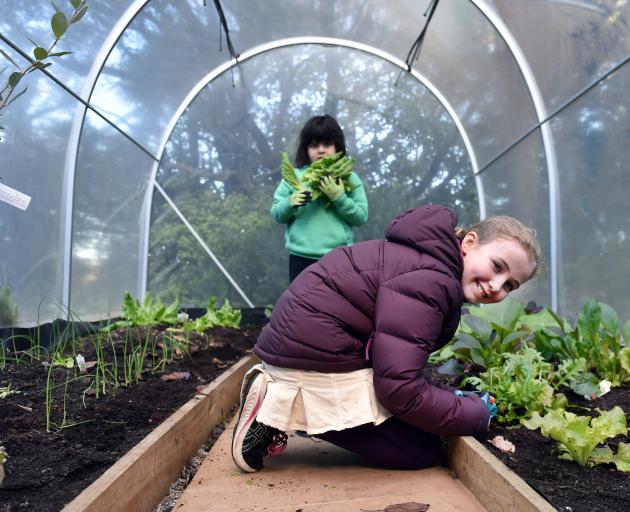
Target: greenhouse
(141, 144)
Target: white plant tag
(13, 197)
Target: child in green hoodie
(316, 227)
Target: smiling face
(494, 269)
(318, 150)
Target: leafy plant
(338, 166)
(8, 309)
(60, 24)
(520, 384)
(226, 316)
(149, 313)
(596, 337)
(5, 391)
(578, 436)
(486, 333)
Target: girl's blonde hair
(507, 228)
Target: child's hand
(333, 188)
(486, 397)
(300, 198)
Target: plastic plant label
(13, 197)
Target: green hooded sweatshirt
(314, 229)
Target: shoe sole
(250, 405)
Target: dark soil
(566, 485)
(46, 470)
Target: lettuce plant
(148, 313)
(578, 436)
(225, 316)
(520, 384)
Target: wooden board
(495, 485)
(141, 478)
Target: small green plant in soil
(578, 436)
(150, 312)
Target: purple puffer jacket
(405, 293)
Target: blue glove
(487, 398)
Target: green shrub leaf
(40, 53)
(14, 79)
(59, 24)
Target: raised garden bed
(46, 470)
(565, 484)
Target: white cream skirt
(316, 402)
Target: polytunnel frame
(249, 54)
(128, 16)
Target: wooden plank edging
(495, 485)
(141, 478)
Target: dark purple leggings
(392, 444)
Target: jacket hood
(429, 230)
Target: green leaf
(75, 3)
(80, 14)
(40, 53)
(40, 65)
(624, 359)
(32, 41)
(6, 56)
(14, 79)
(589, 318)
(59, 54)
(16, 96)
(59, 24)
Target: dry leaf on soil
(502, 444)
(175, 376)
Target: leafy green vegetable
(149, 313)
(579, 435)
(520, 385)
(338, 166)
(226, 316)
(288, 172)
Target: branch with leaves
(59, 24)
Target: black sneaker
(251, 441)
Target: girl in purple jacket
(344, 349)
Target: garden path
(312, 475)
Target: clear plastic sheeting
(175, 257)
(32, 157)
(110, 187)
(517, 184)
(482, 80)
(221, 164)
(593, 156)
(568, 43)
(151, 91)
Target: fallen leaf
(410, 506)
(502, 444)
(175, 376)
(87, 365)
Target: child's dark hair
(319, 129)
